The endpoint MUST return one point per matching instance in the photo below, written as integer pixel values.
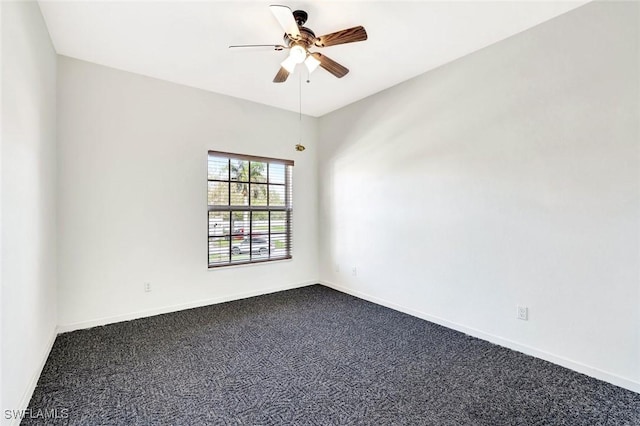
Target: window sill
(259, 262)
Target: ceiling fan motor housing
(307, 38)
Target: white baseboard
(33, 382)
(559, 360)
(180, 307)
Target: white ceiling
(187, 42)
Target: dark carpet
(311, 356)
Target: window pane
(278, 245)
(259, 223)
(218, 194)
(278, 222)
(218, 250)
(219, 224)
(260, 247)
(240, 170)
(239, 194)
(241, 221)
(258, 194)
(240, 249)
(276, 195)
(276, 173)
(258, 172)
(218, 168)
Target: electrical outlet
(354, 271)
(523, 313)
(337, 267)
(147, 287)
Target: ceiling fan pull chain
(299, 146)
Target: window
(250, 209)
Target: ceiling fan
(299, 39)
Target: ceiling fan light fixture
(311, 63)
(289, 64)
(298, 54)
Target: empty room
(320, 213)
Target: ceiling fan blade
(349, 35)
(282, 75)
(286, 20)
(275, 46)
(330, 65)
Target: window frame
(286, 208)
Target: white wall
(507, 177)
(132, 192)
(28, 200)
